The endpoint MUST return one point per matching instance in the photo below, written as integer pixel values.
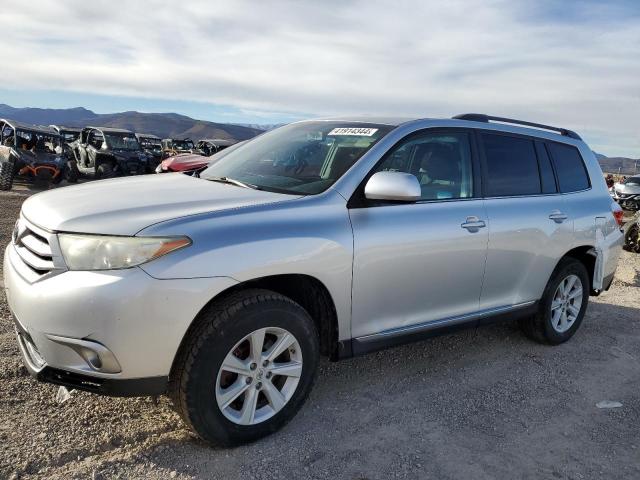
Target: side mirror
(395, 186)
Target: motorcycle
(632, 234)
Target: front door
(421, 265)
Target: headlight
(100, 252)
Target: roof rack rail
(480, 117)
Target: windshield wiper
(233, 181)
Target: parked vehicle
(191, 162)
(31, 150)
(102, 152)
(152, 145)
(330, 237)
(632, 234)
(176, 146)
(627, 193)
(208, 147)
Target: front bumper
(76, 321)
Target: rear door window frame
(555, 168)
(534, 140)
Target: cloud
(577, 66)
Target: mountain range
(173, 125)
(621, 165)
(164, 125)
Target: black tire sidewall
(206, 417)
(568, 267)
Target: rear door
(420, 265)
(530, 228)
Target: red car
(191, 162)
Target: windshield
(632, 181)
(150, 143)
(37, 142)
(69, 136)
(302, 158)
(122, 141)
(182, 144)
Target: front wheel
(562, 306)
(6, 175)
(245, 368)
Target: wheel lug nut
(269, 374)
(258, 385)
(253, 366)
(265, 363)
(249, 380)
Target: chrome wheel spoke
(556, 304)
(235, 365)
(248, 412)
(577, 292)
(573, 311)
(283, 342)
(228, 395)
(288, 369)
(256, 340)
(274, 396)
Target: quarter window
(572, 175)
(511, 166)
(441, 163)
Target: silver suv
(330, 237)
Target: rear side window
(572, 174)
(511, 166)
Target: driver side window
(440, 161)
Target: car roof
(67, 129)
(469, 120)
(147, 135)
(29, 128)
(109, 129)
(219, 141)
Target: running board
(414, 333)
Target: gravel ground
(478, 404)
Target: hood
(124, 206)
(629, 188)
(184, 162)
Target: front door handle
(557, 216)
(473, 224)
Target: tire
(542, 327)
(6, 175)
(71, 172)
(104, 170)
(632, 239)
(221, 331)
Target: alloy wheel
(259, 376)
(566, 303)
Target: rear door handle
(473, 224)
(557, 216)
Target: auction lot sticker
(360, 132)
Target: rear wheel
(562, 306)
(632, 239)
(104, 170)
(6, 175)
(246, 367)
(71, 172)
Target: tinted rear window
(511, 166)
(572, 174)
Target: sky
(574, 64)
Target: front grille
(37, 251)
